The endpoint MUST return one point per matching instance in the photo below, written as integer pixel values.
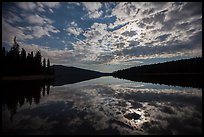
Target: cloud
(129, 33)
(134, 43)
(39, 31)
(29, 32)
(36, 19)
(92, 6)
(93, 9)
(9, 32)
(41, 26)
(112, 27)
(75, 3)
(163, 37)
(73, 23)
(51, 10)
(12, 18)
(26, 5)
(75, 31)
(102, 59)
(96, 32)
(157, 23)
(63, 41)
(39, 6)
(51, 4)
(184, 49)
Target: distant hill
(68, 75)
(193, 65)
(186, 72)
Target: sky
(105, 36)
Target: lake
(105, 105)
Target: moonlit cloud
(26, 5)
(51, 4)
(106, 34)
(36, 19)
(9, 32)
(13, 18)
(74, 31)
(93, 9)
(39, 31)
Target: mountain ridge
(69, 75)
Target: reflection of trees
(16, 94)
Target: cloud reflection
(114, 109)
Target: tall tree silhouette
(38, 62)
(15, 49)
(15, 62)
(23, 54)
(49, 71)
(44, 66)
(44, 63)
(48, 63)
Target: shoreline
(29, 77)
(182, 79)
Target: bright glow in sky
(105, 36)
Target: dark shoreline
(25, 78)
(175, 79)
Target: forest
(185, 72)
(16, 62)
(193, 65)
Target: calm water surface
(106, 105)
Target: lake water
(105, 105)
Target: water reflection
(184, 80)
(111, 106)
(15, 94)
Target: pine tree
(38, 58)
(44, 66)
(44, 63)
(23, 54)
(48, 67)
(38, 63)
(15, 49)
(48, 63)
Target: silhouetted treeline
(193, 65)
(186, 72)
(16, 62)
